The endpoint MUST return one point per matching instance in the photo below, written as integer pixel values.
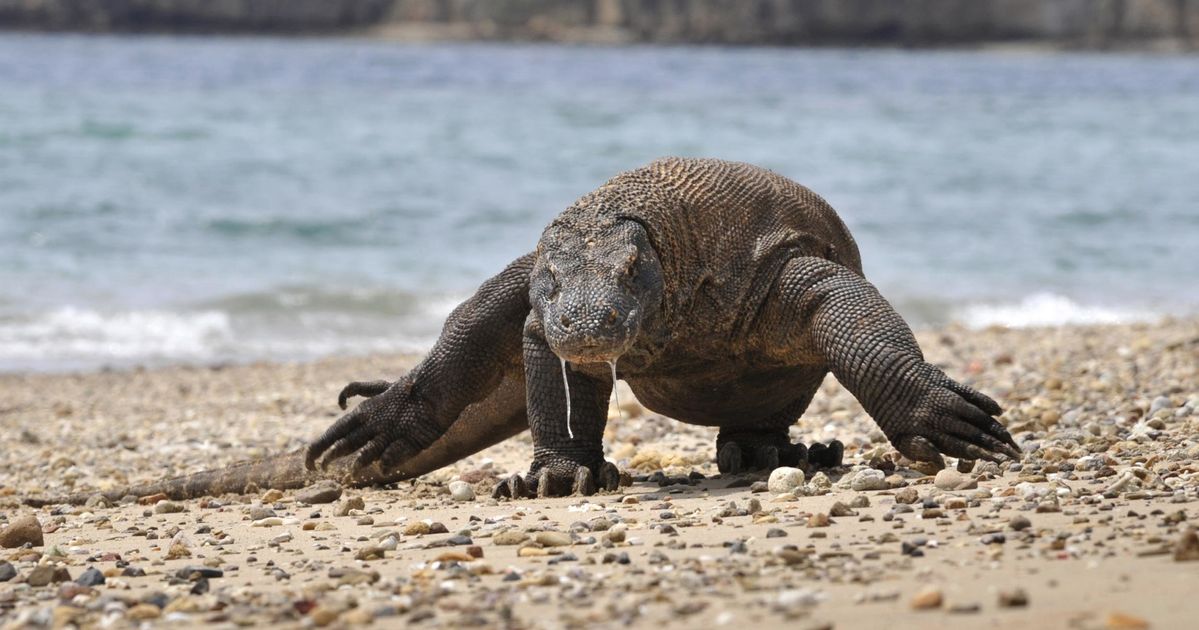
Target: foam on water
(71, 338)
(73, 334)
(1047, 309)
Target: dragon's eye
(552, 294)
(630, 265)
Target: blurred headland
(1169, 25)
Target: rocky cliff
(1069, 23)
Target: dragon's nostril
(565, 321)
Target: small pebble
(840, 509)
(1015, 598)
(552, 539)
(784, 479)
(20, 531)
(168, 507)
(1117, 620)
(950, 479)
(906, 496)
(326, 491)
(417, 528)
(1019, 523)
(353, 503)
(869, 479)
(44, 574)
(143, 612)
(1187, 548)
(90, 577)
(258, 512)
(509, 537)
(928, 598)
(461, 491)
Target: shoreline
(1107, 415)
(1173, 24)
(410, 357)
(423, 34)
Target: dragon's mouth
(590, 351)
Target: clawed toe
(366, 389)
(766, 457)
(584, 482)
(826, 455)
(728, 458)
(560, 481)
(514, 487)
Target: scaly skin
(725, 293)
(722, 292)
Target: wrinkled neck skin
(596, 288)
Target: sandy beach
(1094, 529)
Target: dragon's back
(734, 210)
(723, 232)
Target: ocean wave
(73, 338)
(73, 335)
(1047, 309)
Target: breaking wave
(1047, 309)
(286, 326)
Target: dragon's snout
(592, 333)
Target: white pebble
(462, 491)
(784, 479)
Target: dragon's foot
(559, 479)
(767, 451)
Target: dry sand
(1090, 531)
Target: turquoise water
(209, 199)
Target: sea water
(228, 199)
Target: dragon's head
(593, 286)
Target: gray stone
(259, 512)
(44, 574)
(90, 577)
(869, 479)
(321, 492)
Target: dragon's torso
(723, 232)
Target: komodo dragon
(721, 292)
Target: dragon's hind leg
(765, 444)
(739, 450)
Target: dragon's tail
(284, 472)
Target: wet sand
(1089, 531)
